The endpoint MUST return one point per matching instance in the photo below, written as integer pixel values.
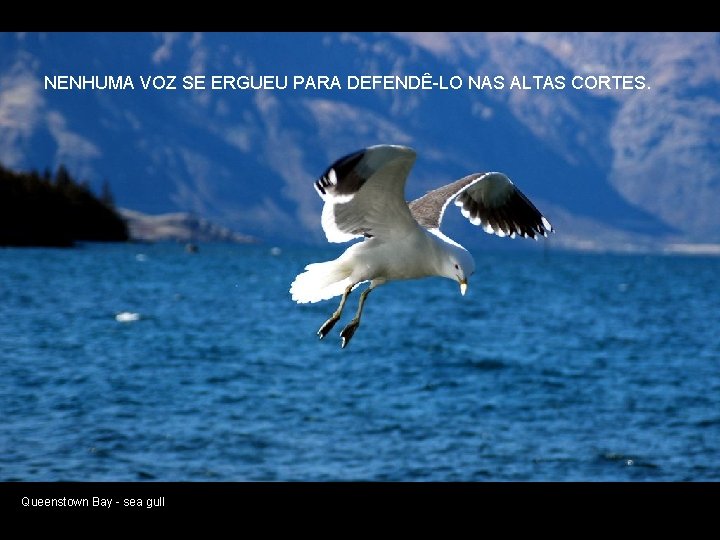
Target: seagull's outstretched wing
(364, 193)
(487, 199)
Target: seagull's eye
(457, 267)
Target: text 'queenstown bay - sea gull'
(364, 194)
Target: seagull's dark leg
(349, 330)
(335, 317)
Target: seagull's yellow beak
(463, 286)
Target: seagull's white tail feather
(321, 281)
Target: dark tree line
(42, 210)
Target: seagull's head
(459, 266)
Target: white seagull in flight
(364, 194)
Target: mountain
(618, 169)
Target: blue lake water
(554, 367)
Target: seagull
(364, 195)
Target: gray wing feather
(490, 200)
(428, 210)
(364, 193)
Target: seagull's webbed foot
(327, 326)
(335, 317)
(348, 332)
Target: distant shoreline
(179, 227)
(58, 211)
(55, 211)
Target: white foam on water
(127, 316)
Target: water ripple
(596, 368)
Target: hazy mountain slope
(633, 163)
